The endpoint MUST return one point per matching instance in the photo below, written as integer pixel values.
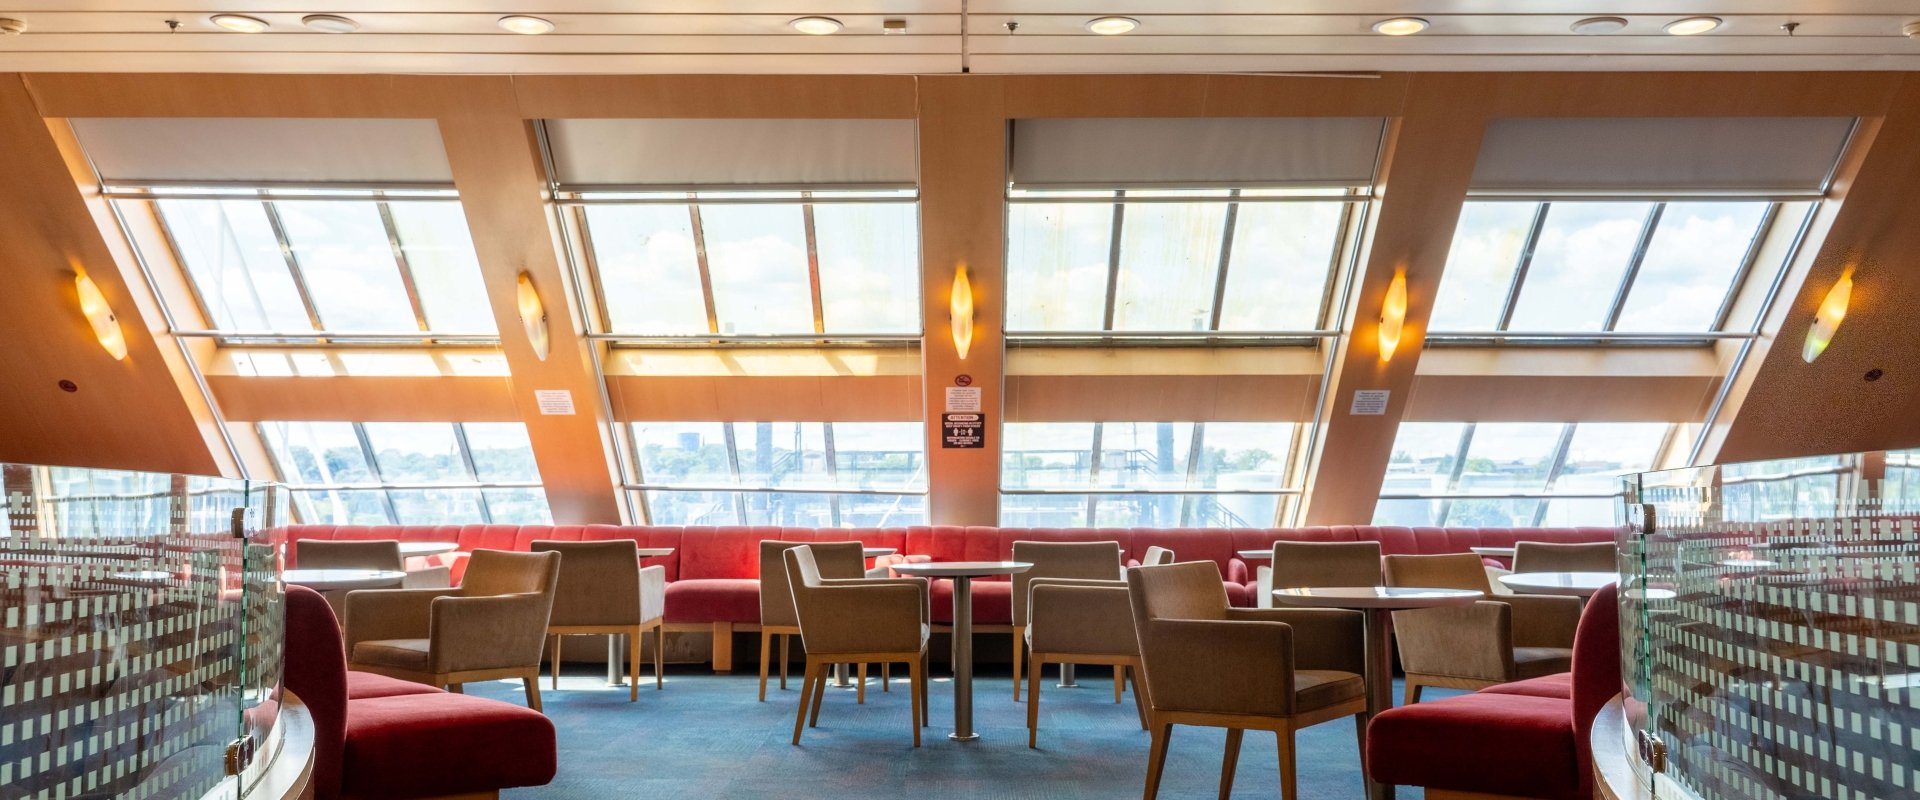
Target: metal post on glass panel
(962, 660)
(1066, 678)
(616, 659)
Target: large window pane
(757, 255)
(869, 267)
(1488, 512)
(1169, 262)
(502, 453)
(781, 454)
(235, 263)
(692, 508)
(1424, 454)
(1244, 455)
(336, 507)
(1043, 510)
(1057, 261)
(417, 452)
(446, 271)
(1073, 462)
(1044, 455)
(684, 453)
(1144, 455)
(1507, 474)
(317, 453)
(1277, 274)
(346, 262)
(517, 506)
(879, 455)
(1690, 266)
(1487, 245)
(1601, 452)
(649, 273)
(1577, 266)
(436, 506)
(836, 474)
(1510, 456)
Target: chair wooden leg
(1229, 760)
(633, 664)
(1157, 758)
(556, 662)
(1413, 692)
(766, 657)
(1289, 788)
(1033, 704)
(723, 647)
(785, 639)
(1119, 682)
(659, 656)
(533, 690)
(1019, 643)
(806, 692)
(819, 690)
(919, 694)
(1139, 694)
(860, 691)
(1360, 730)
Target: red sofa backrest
(1596, 673)
(315, 666)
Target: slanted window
(1513, 474)
(1162, 474)
(804, 474)
(409, 473)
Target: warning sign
(963, 431)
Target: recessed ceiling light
(1595, 26)
(1911, 29)
(12, 27)
(240, 23)
(521, 23)
(816, 26)
(1400, 26)
(1692, 25)
(329, 23)
(1112, 26)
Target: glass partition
(140, 626)
(1771, 627)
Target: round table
(1493, 552)
(1574, 584)
(424, 549)
(655, 552)
(1376, 603)
(876, 552)
(328, 580)
(963, 573)
(1256, 555)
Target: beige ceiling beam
(228, 95)
(715, 96)
(424, 398)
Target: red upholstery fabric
(1596, 672)
(445, 744)
(1558, 687)
(694, 600)
(316, 669)
(1494, 743)
(365, 685)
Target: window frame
(1558, 455)
(638, 488)
(380, 484)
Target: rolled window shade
(266, 150)
(1099, 153)
(1660, 154)
(733, 152)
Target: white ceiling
(751, 36)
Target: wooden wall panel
(436, 398)
(1161, 398)
(716, 96)
(746, 398)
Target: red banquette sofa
(713, 573)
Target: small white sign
(1370, 402)
(554, 401)
(963, 399)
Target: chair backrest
(1446, 571)
(599, 582)
(1549, 557)
(832, 560)
(1309, 564)
(1189, 590)
(1596, 673)
(349, 554)
(315, 668)
(1085, 560)
(1156, 556)
(497, 572)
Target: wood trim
(715, 96)
(439, 398)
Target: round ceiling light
(816, 26)
(1400, 26)
(1597, 26)
(329, 23)
(521, 23)
(1112, 26)
(240, 23)
(1692, 25)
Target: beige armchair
(836, 561)
(1080, 622)
(1550, 557)
(1156, 556)
(604, 590)
(1098, 561)
(856, 621)
(491, 627)
(1208, 664)
(1318, 564)
(1475, 646)
(381, 554)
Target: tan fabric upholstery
(406, 654)
(857, 615)
(1549, 557)
(1484, 643)
(1080, 617)
(601, 583)
(1448, 571)
(1083, 560)
(1156, 556)
(835, 560)
(1308, 564)
(496, 620)
(363, 554)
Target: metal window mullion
(1093, 474)
(1459, 466)
(1633, 266)
(293, 263)
(400, 261)
(813, 262)
(733, 468)
(1747, 264)
(700, 260)
(582, 235)
(1557, 462)
(1746, 348)
(473, 472)
(1526, 263)
(1113, 258)
(1196, 448)
(1342, 245)
(1226, 257)
(373, 468)
(639, 476)
(180, 261)
(1346, 275)
(833, 469)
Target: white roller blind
(733, 152)
(266, 150)
(1195, 152)
(1723, 154)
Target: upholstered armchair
(1208, 664)
(1080, 622)
(1099, 561)
(1508, 638)
(604, 590)
(1551, 557)
(856, 621)
(836, 561)
(1155, 556)
(492, 627)
(382, 554)
(1318, 564)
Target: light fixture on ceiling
(106, 327)
(329, 23)
(1826, 321)
(1692, 26)
(960, 312)
(1400, 26)
(533, 316)
(12, 27)
(1393, 315)
(240, 23)
(816, 26)
(523, 24)
(1911, 29)
(1599, 26)
(1112, 26)
(893, 26)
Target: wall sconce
(1393, 314)
(533, 316)
(1826, 321)
(960, 310)
(106, 327)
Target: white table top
(420, 549)
(1576, 584)
(962, 569)
(655, 552)
(144, 576)
(1256, 555)
(1493, 552)
(332, 579)
(1391, 597)
(874, 552)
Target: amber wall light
(533, 316)
(1827, 320)
(1393, 315)
(106, 327)
(960, 311)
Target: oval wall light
(533, 316)
(960, 311)
(106, 327)
(1393, 315)
(1827, 320)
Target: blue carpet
(706, 736)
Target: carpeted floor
(705, 736)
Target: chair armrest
(1219, 666)
(864, 616)
(375, 614)
(1543, 620)
(1471, 641)
(491, 632)
(1080, 616)
(1323, 638)
(653, 593)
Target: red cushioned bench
(713, 574)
